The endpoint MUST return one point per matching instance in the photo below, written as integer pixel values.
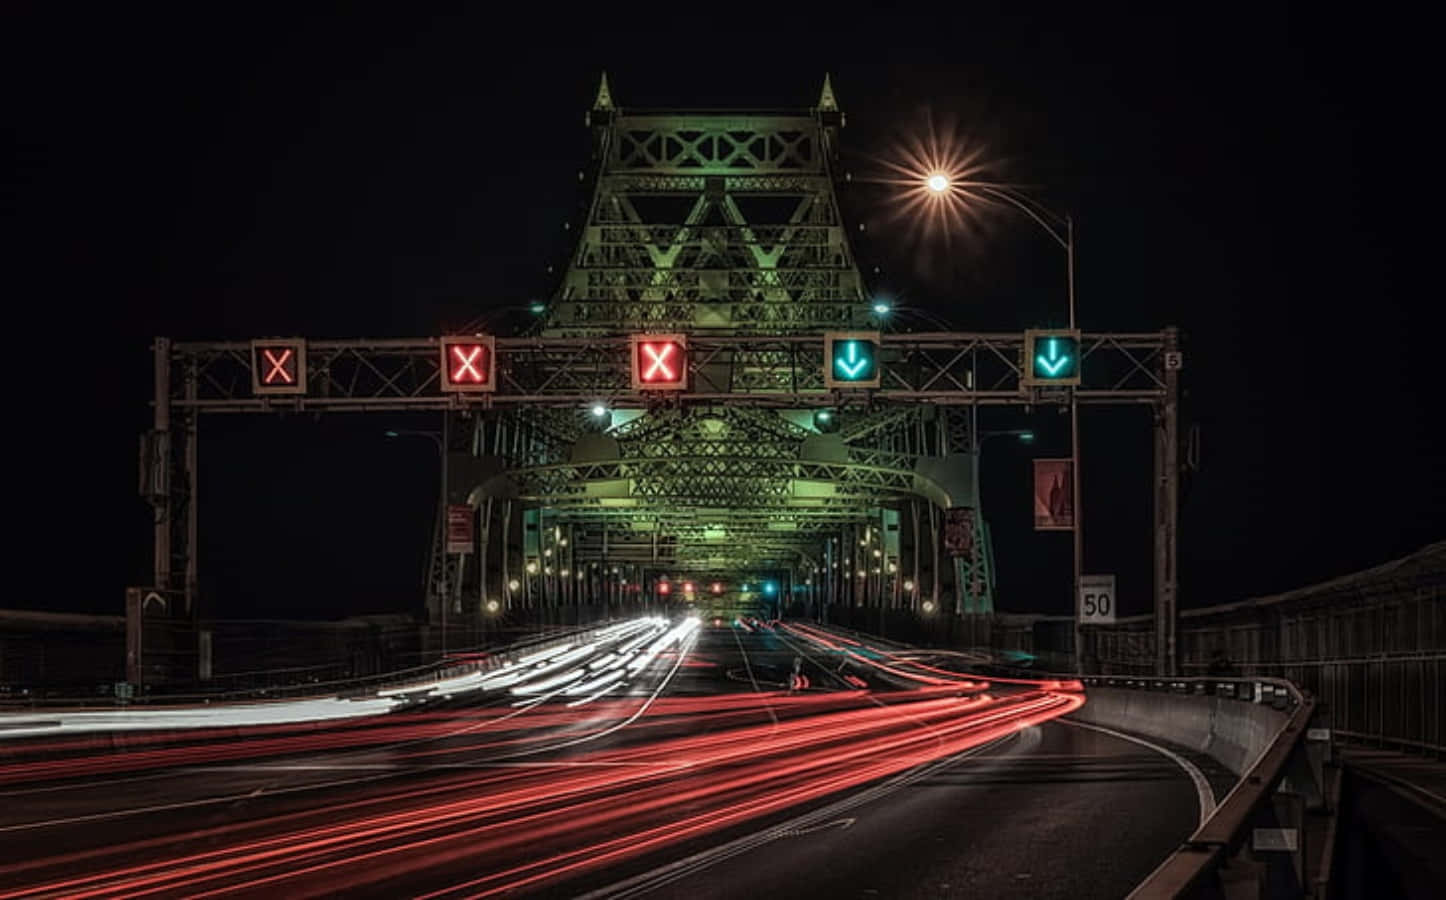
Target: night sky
(1255, 176)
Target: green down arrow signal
(854, 364)
(1055, 363)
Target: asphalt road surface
(737, 763)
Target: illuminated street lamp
(1061, 230)
(937, 183)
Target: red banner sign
(1053, 495)
(959, 531)
(460, 523)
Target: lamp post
(1053, 224)
(440, 439)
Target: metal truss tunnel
(588, 489)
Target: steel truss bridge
(723, 226)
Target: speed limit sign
(1096, 600)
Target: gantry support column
(189, 461)
(160, 466)
(1167, 485)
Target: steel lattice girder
(779, 371)
(734, 478)
(711, 221)
(675, 519)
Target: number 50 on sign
(1096, 600)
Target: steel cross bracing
(784, 371)
(711, 221)
(723, 226)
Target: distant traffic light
(1051, 357)
(278, 366)
(659, 362)
(717, 587)
(770, 587)
(851, 359)
(469, 363)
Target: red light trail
(481, 822)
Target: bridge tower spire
(827, 102)
(711, 222)
(604, 98)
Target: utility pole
(1074, 462)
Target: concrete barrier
(1259, 840)
(1234, 732)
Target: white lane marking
(388, 767)
(756, 689)
(666, 874)
(841, 824)
(1203, 791)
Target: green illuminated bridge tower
(725, 224)
(709, 397)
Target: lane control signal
(659, 362)
(851, 359)
(469, 364)
(1051, 357)
(278, 366)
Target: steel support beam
(1167, 492)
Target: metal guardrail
(1186, 870)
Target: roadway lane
(1057, 811)
(701, 750)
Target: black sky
(1254, 175)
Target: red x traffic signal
(278, 366)
(660, 362)
(469, 363)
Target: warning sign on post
(460, 536)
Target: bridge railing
(1371, 647)
(295, 682)
(1259, 840)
